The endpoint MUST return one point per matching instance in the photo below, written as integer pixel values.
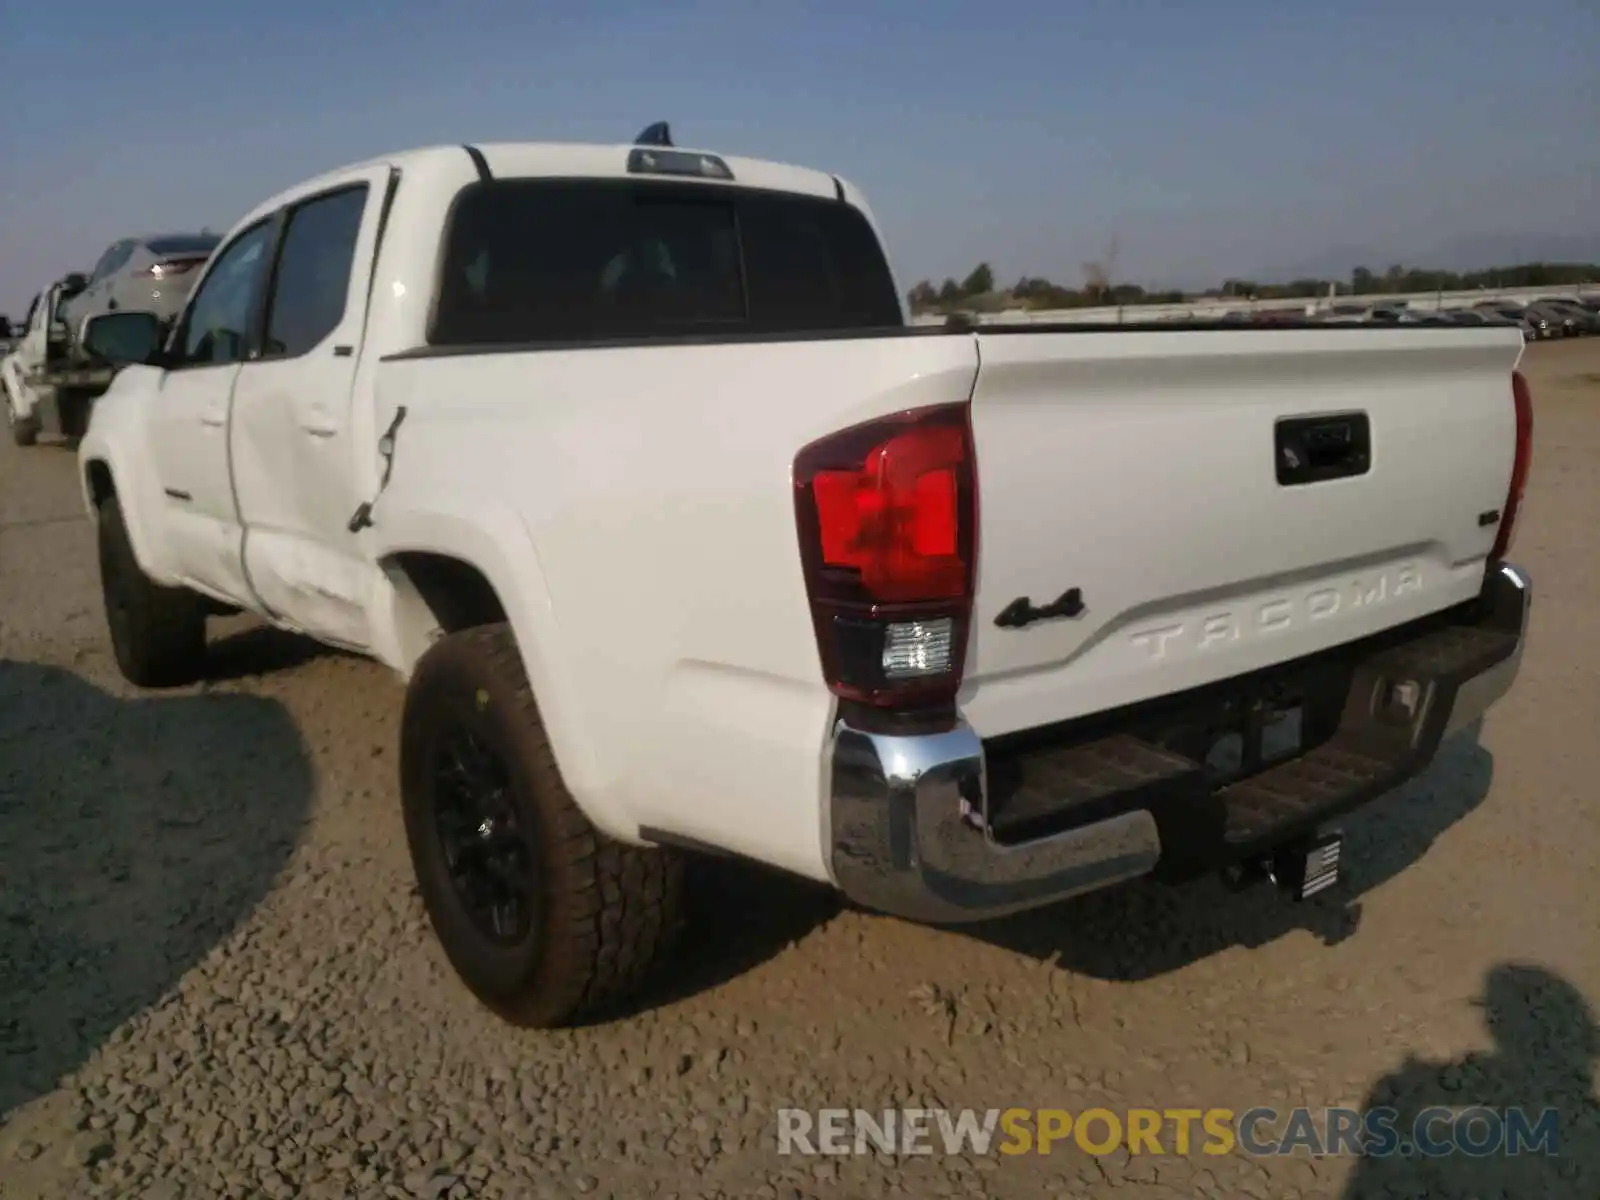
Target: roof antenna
(654, 135)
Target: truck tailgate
(1143, 470)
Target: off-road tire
(603, 914)
(158, 634)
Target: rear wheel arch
(437, 593)
(434, 594)
(456, 593)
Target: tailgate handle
(1316, 449)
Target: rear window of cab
(563, 260)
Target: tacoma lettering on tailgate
(1260, 618)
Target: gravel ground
(216, 979)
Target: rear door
(290, 434)
(1222, 501)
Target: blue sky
(1210, 138)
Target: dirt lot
(215, 979)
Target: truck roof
(585, 160)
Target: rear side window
(588, 260)
(312, 280)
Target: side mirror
(120, 338)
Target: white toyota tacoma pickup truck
(629, 461)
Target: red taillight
(1522, 399)
(887, 515)
(894, 519)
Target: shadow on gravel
(135, 834)
(261, 650)
(1546, 1045)
(1142, 930)
(739, 915)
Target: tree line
(978, 293)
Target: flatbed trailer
(87, 377)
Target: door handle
(214, 417)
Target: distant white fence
(1214, 309)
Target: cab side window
(216, 328)
(312, 280)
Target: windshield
(203, 243)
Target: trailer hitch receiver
(1300, 868)
(1304, 868)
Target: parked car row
(1547, 317)
(1558, 317)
